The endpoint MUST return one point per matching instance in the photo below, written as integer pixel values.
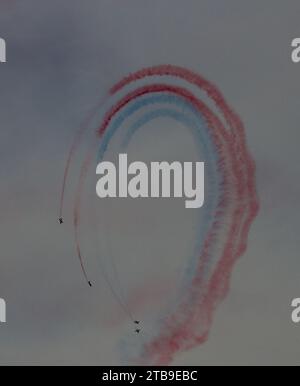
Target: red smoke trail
(190, 323)
(180, 333)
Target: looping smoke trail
(231, 207)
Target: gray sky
(62, 55)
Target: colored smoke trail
(230, 208)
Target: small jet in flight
(61, 221)
(137, 330)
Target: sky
(62, 57)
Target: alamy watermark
(164, 179)
(2, 51)
(296, 310)
(2, 311)
(296, 51)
